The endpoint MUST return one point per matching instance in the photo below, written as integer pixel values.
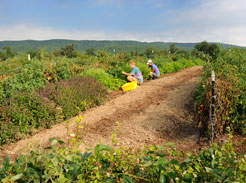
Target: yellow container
(130, 86)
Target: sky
(142, 20)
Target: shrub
(178, 66)
(230, 92)
(102, 77)
(27, 80)
(23, 113)
(104, 164)
(75, 95)
(143, 67)
(168, 68)
(116, 70)
(198, 61)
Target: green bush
(187, 63)
(63, 72)
(230, 91)
(178, 66)
(168, 68)
(198, 61)
(102, 77)
(23, 113)
(59, 163)
(143, 67)
(75, 95)
(26, 80)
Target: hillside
(55, 44)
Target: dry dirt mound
(156, 112)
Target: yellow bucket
(130, 86)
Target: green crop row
(64, 164)
(230, 90)
(46, 91)
(26, 111)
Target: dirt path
(154, 113)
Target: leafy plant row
(59, 163)
(230, 89)
(26, 111)
(48, 90)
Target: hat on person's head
(149, 62)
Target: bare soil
(157, 112)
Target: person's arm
(152, 69)
(127, 74)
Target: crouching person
(135, 74)
(154, 73)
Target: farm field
(123, 91)
(52, 88)
(150, 134)
(152, 114)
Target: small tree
(212, 50)
(149, 52)
(57, 53)
(102, 54)
(1, 56)
(68, 51)
(90, 51)
(173, 48)
(40, 54)
(9, 51)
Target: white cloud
(23, 32)
(212, 20)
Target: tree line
(204, 50)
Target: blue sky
(142, 20)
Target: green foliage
(8, 53)
(104, 164)
(211, 50)
(173, 48)
(109, 46)
(90, 51)
(54, 85)
(143, 67)
(102, 77)
(68, 51)
(166, 66)
(230, 91)
(23, 113)
(26, 80)
(75, 95)
(116, 68)
(149, 52)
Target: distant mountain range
(56, 44)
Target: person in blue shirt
(135, 74)
(154, 73)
